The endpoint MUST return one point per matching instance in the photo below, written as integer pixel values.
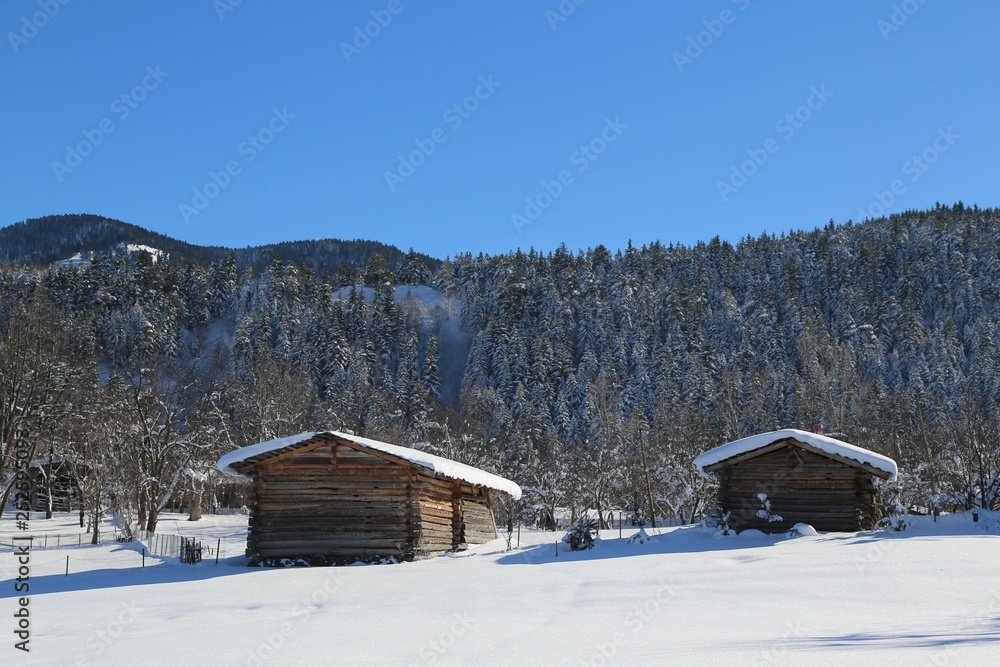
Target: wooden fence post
(218, 546)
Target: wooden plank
(334, 483)
(332, 523)
(305, 446)
(334, 494)
(281, 552)
(336, 535)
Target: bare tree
(173, 418)
(41, 361)
(270, 400)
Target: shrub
(581, 535)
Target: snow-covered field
(928, 596)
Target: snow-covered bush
(802, 530)
(897, 523)
(724, 523)
(765, 510)
(581, 535)
(895, 515)
(641, 537)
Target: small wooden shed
(331, 497)
(55, 480)
(798, 476)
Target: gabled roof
(878, 465)
(235, 461)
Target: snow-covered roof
(438, 464)
(820, 442)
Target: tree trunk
(197, 489)
(48, 492)
(151, 519)
(95, 538)
(649, 488)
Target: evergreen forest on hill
(592, 378)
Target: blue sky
(241, 123)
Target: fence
(190, 549)
(71, 554)
(524, 536)
(161, 544)
(52, 540)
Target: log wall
(477, 516)
(437, 516)
(802, 487)
(340, 504)
(335, 502)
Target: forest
(592, 378)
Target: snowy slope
(154, 253)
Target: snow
(820, 442)
(155, 253)
(194, 474)
(925, 596)
(239, 455)
(438, 464)
(77, 260)
(803, 530)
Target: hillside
(59, 237)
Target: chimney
(817, 428)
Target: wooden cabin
(806, 478)
(335, 498)
(54, 481)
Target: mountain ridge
(48, 239)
